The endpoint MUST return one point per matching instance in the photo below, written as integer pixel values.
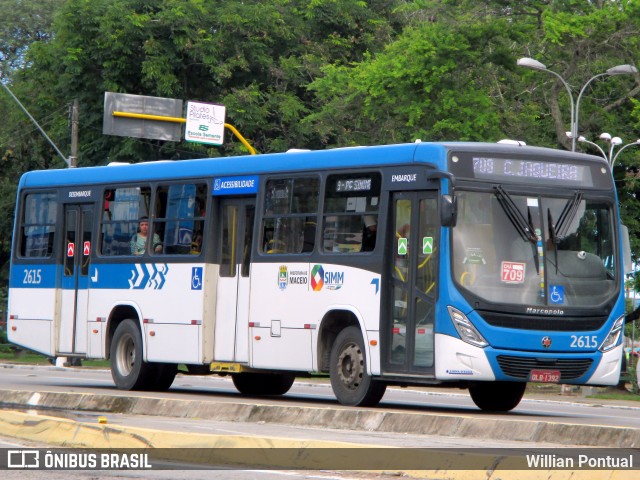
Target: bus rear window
(38, 225)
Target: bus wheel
(351, 383)
(497, 396)
(128, 370)
(249, 383)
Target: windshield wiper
(558, 231)
(524, 226)
(566, 216)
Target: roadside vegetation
(318, 74)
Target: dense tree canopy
(319, 74)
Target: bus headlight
(614, 335)
(465, 328)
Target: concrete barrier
(425, 423)
(269, 452)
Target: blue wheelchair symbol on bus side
(196, 278)
(556, 294)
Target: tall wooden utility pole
(73, 158)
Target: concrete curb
(346, 419)
(280, 453)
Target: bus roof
(338, 158)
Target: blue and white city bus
(472, 265)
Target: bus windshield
(514, 248)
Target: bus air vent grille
(520, 367)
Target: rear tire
(165, 374)
(128, 370)
(351, 383)
(497, 396)
(250, 383)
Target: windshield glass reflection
(510, 248)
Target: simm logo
(325, 279)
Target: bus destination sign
(517, 169)
(353, 185)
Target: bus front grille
(520, 367)
(549, 324)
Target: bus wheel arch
(331, 325)
(119, 314)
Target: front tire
(128, 370)
(497, 396)
(351, 383)
(250, 383)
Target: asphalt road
(292, 417)
(553, 408)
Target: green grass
(25, 357)
(616, 395)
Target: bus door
(76, 249)
(408, 334)
(231, 343)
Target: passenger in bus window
(369, 233)
(139, 240)
(196, 243)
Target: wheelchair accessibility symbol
(196, 278)
(556, 294)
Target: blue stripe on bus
(33, 276)
(122, 276)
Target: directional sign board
(205, 123)
(132, 127)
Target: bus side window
(179, 218)
(351, 212)
(38, 229)
(308, 235)
(289, 220)
(122, 209)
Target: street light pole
(617, 70)
(575, 107)
(536, 65)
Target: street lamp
(613, 141)
(582, 139)
(575, 107)
(613, 160)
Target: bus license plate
(545, 376)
